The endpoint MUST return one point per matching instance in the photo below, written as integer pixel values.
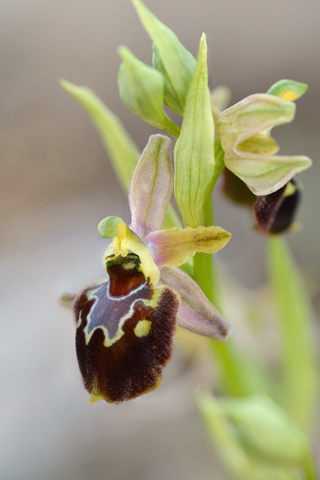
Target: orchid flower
(126, 324)
(249, 150)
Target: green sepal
(288, 89)
(121, 149)
(142, 91)
(194, 150)
(177, 61)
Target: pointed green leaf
(123, 152)
(288, 89)
(300, 372)
(177, 61)
(267, 429)
(194, 150)
(232, 447)
(142, 91)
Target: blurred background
(56, 184)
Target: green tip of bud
(288, 89)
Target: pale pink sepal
(151, 186)
(196, 313)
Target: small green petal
(173, 246)
(123, 152)
(142, 91)
(259, 143)
(178, 63)
(288, 89)
(194, 150)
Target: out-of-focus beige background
(56, 184)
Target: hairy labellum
(124, 333)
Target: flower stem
(240, 375)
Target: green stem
(299, 373)
(310, 468)
(170, 126)
(240, 376)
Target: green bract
(255, 438)
(142, 90)
(194, 150)
(170, 57)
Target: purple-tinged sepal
(151, 186)
(196, 313)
